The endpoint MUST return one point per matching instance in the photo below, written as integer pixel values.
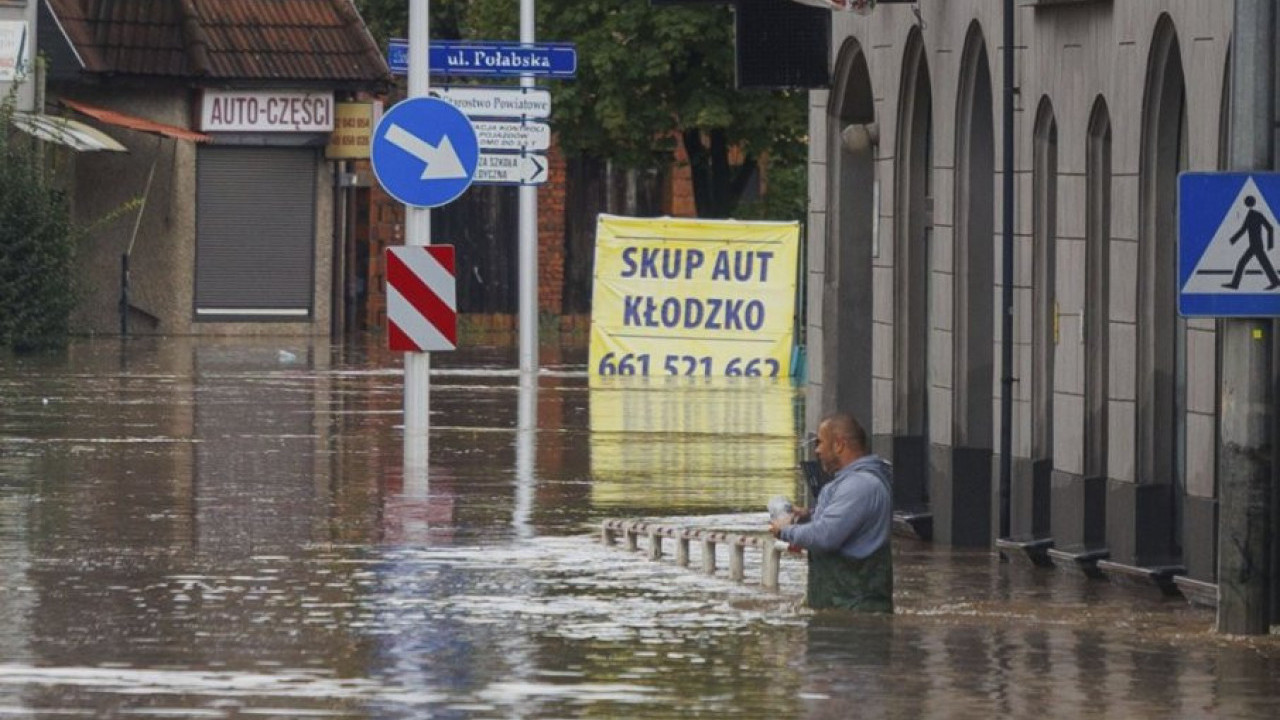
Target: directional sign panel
(500, 169)
(1227, 255)
(497, 102)
(424, 152)
(512, 136)
(496, 59)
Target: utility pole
(1244, 457)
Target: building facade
(1114, 395)
(222, 217)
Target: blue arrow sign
(495, 59)
(1227, 230)
(424, 152)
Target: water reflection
(526, 455)
(659, 444)
(225, 528)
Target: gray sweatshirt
(853, 513)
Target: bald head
(844, 426)
(841, 440)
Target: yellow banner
(675, 296)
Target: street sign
(1227, 230)
(424, 152)
(495, 59)
(421, 298)
(497, 102)
(512, 136)
(500, 169)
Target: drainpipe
(1006, 277)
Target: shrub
(37, 246)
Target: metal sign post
(528, 233)
(424, 152)
(417, 366)
(528, 59)
(527, 408)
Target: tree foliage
(390, 18)
(37, 247)
(649, 78)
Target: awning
(862, 7)
(65, 131)
(132, 122)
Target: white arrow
(508, 169)
(442, 161)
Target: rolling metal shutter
(255, 233)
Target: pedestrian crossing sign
(1227, 238)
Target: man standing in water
(847, 532)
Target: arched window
(911, 242)
(1044, 215)
(1161, 377)
(912, 211)
(847, 281)
(974, 255)
(1097, 304)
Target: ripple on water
(188, 528)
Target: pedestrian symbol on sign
(1254, 225)
(1227, 237)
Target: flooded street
(197, 528)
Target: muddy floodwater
(224, 529)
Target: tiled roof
(320, 40)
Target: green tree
(390, 18)
(648, 79)
(37, 247)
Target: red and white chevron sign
(422, 311)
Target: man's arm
(1271, 235)
(830, 528)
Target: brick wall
(386, 219)
(551, 196)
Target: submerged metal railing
(631, 530)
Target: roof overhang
(65, 131)
(132, 122)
